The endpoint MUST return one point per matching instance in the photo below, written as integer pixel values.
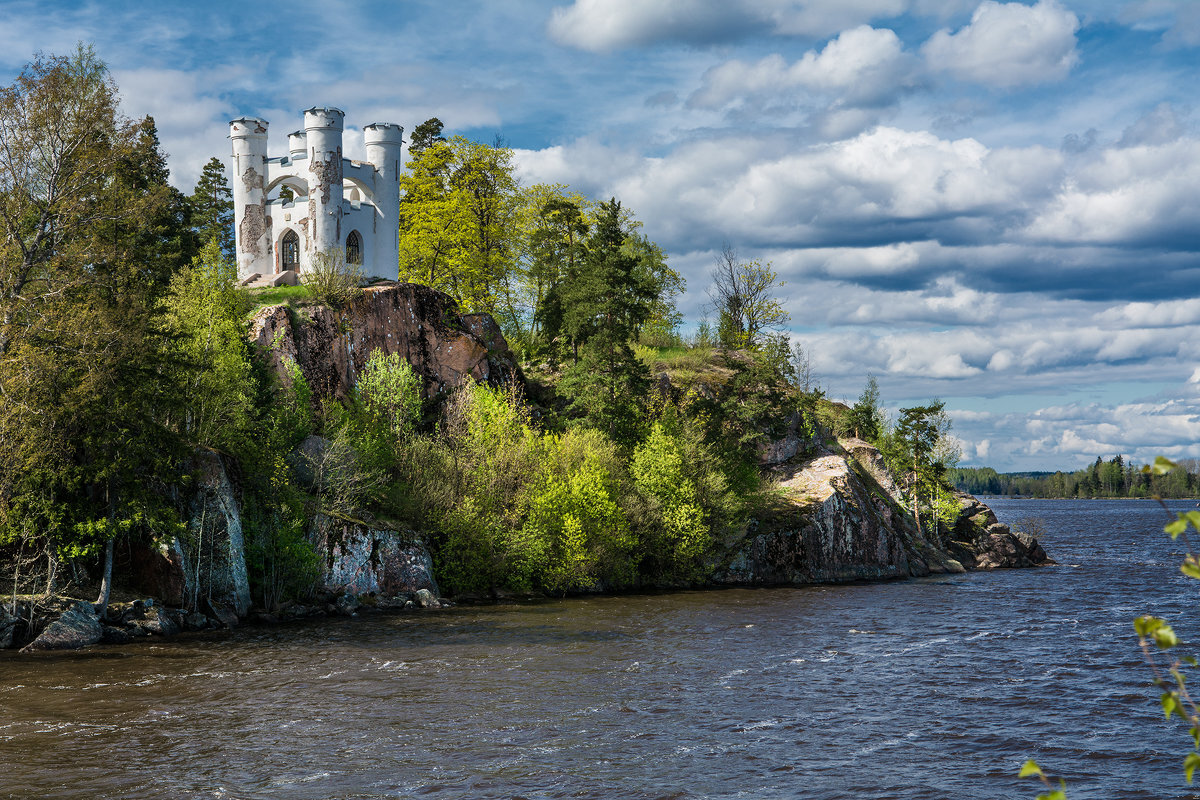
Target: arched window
(354, 248)
(290, 250)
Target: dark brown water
(929, 688)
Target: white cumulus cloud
(1008, 45)
(863, 65)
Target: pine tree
(211, 207)
(603, 309)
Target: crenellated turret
(297, 145)
(384, 142)
(253, 232)
(323, 127)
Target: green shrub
(331, 280)
(573, 522)
(478, 472)
(390, 390)
(660, 473)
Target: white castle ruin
(338, 205)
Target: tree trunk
(106, 581)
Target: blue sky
(993, 203)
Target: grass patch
(682, 364)
(277, 295)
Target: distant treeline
(1112, 478)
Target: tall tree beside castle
(211, 207)
(92, 232)
(604, 307)
(457, 231)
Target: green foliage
(1030, 769)
(572, 518)
(742, 296)
(528, 511)
(603, 309)
(205, 312)
(91, 233)
(282, 563)
(471, 483)
(866, 418)
(457, 219)
(211, 208)
(554, 226)
(915, 451)
(662, 475)
(1115, 477)
(755, 404)
(333, 281)
(390, 391)
(426, 134)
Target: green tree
(91, 234)
(916, 438)
(664, 319)
(205, 313)
(603, 309)
(425, 135)
(742, 296)
(866, 418)
(555, 238)
(211, 207)
(457, 220)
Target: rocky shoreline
(838, 518)
(63, 623)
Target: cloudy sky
(997, 204)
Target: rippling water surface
(930, 688)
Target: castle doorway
(290, 252)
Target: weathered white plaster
(334, 196)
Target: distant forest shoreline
(1112, 479)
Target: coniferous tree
(424, 135)
(603, 309)
(211, 207)
(866, 418)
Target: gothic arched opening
(354, 248)
(289, 250)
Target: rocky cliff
(837, 516)
(424, 326)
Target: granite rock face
(827, 526)
(160, 569)
(838, 517)
(78, 626)
(424, 326)
(168, 570)
(361, 560)
(215, 524)
(983, 542)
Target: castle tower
(383, 142)
(253, 226)
(323, 127)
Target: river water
(932, 688)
